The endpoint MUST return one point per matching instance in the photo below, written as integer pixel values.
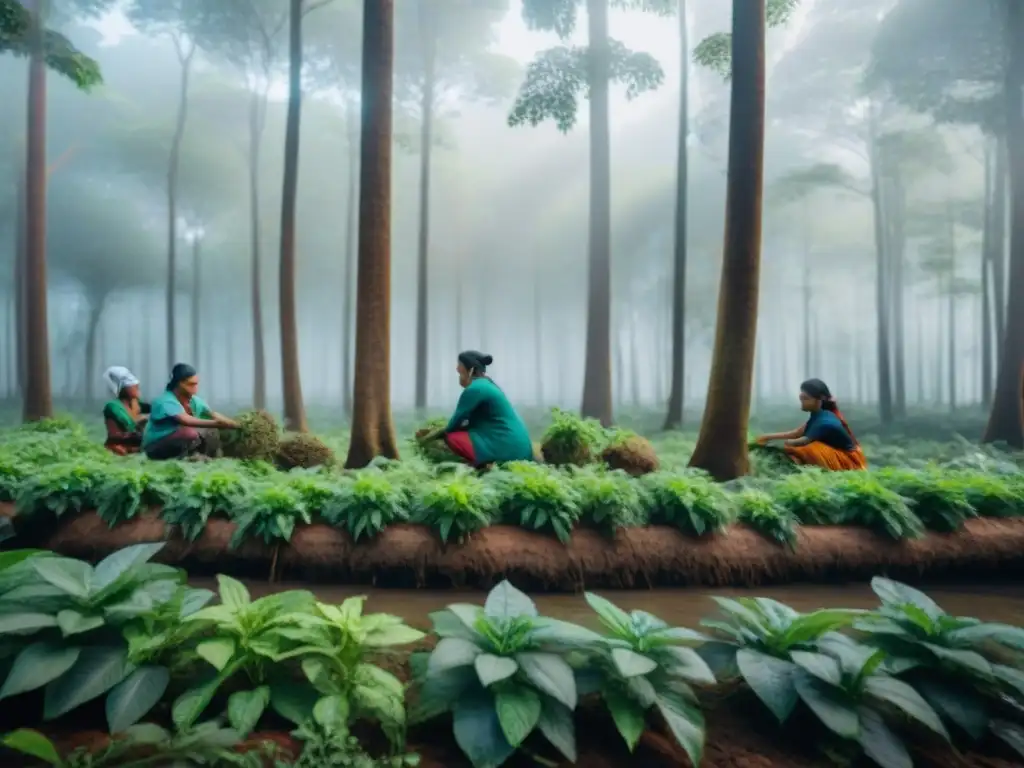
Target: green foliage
(257, 437)
(609, 500)
(571, 439)
(457, 505)
(433, 451)
(537, 498)
(715, 51)
(61, 56)
(366, 504)
(270, 512)
(693, 503)
(206, 491)
(336, 748)
(762, 512)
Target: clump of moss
(436, 451)
(571, 440)
(303, 451)
(257, 437)
(631, 453)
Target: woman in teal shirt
(485, 428)
(181, 424)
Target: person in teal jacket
(181, 425)
(485, 428)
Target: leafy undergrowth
(184, 676)
(55, 468)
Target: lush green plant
(755, 638)
(69, 619)
(937, 497)
(126, 490)
(330, 745)
(433, 451)
(644, 663)
(269, 512)
(958, 664)
(366, 504)
(865, 500)
(608, 500)
(489, 672)
(537, 498)
(807, 495)
(693, 503)
(763, 513)
(205, 492)
(571, 439)
(62, 488)
(456, 505)
(257, 437)
(207, 744)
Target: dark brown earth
(413, 556)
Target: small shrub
(366, 504)
(807, 496)
(303, 452)
(435, 451)
(571, 439)
(212, 489)
(631, 453)
(938, 499)
(257, 437)
(760, 511)
(269, 512)
(609, 500)
(770, 461)
(865, 501)
(693, 502)
(456, 505)
(537, 498)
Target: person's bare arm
(191, 421)
(793, 434)
(798, 442)
(223, 421)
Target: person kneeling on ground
(181, 425)
(125, 415)
(826, 440)
(485, 428)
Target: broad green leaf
(507, 602)
(677, 635)
(822, 699)
(1012, 734)
(880, 743)
(610, 614)
(1011, 676)
(132, 699)
(823, 667)
(550, 674)
(25, 623)
(293, 702)
(451, 652)
(190, 705)
(961, 706)
(245, 708)
(632, 664)
(194, 600)
(969, 660)
(438, 695)
(97, 670)
(33, 743)
(904, 697)
(557, 726)
(216, 652)
(686, 663)
(15, 556)
(36, 665)
(493, 669)
(76, 623)
(331, 713)
(73, 577)
(117, 564)
(686, 724)
(467, 613)
(998, 633)
(233, 593)
(518, 709)
(147, 733)
(628, 716)
(894, 593)
(396, 635)
(447, 624)
(478, 732)
(811, 626)
(563, 634)
(770, 679)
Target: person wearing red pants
(485, 428)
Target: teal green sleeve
(469, 400)
(200, 409)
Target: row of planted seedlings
(179, 675)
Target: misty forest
(652, 296)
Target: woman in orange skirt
(826, 440)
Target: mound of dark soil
(303, 452)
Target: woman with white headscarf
(125, 415)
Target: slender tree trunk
(257, 117)
(538, 332)
(195, 305)
(634, 359)
(987, 260)
(96, 306)
(373, 432)
(291, 379)
(721, 446)
(896, 203)
(18, 284)
(428, 39)
(351, 241)
(809, 360)
(882, 303)
(597, 381)
(1006, 420)
(1000, 208)
(38, 401)
(674, 419)
(186, 52)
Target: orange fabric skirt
(824, 456)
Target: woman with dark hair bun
(826, 440)
(485, 428)
(181, 425)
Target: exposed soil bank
(413, 556)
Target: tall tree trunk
(186, 52)
(896, 204)
(373, 431)
(721, 446)
(808, 356)
(38, 402)
(597, 369)
(674, 419)
(987, 261)
(1006, 420)
(257, 119)
(538, 333)
(634, 359)
(428, 40)
(96, 306)
(291, 379)
(1001, 203)
(18, 283)
(195, 305)
(882, 303)
(351, 241)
